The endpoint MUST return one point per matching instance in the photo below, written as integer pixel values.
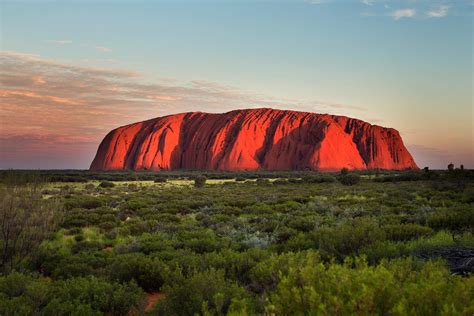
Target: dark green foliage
(319, 179)
(346, 239)
(270, 243)
(89, 187)
(391, 288)
(262, 181)
(402, 232)
(26, 220)
(203, 292)
(455, 219)
(87, 202)
(148, 273)
(349, 179)
(405, 176)
(22, 294)
(200, 181)
(106, 184)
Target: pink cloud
(45, 98)
(163, 97)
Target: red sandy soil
(151, 299)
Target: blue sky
(401, 64)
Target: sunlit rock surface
(252, 139)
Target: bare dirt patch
(151, 299)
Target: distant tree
(426, 169)
(344, 171)
(462, 167)
(450, 167)
(200, 181)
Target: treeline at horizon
(84, 175)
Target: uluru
(252, 139)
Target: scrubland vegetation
(272, 243)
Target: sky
(70, 71)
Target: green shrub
(349, 179)
(24, 295)
(348, 238)
(200, 181)
(89, 187)
(319, 179)
(262, 181)
(344, 172)
(400, 287)
(85, 245)
(87, 202)
(106, 184)
(203, 292)
(148, 273)
(456, 219)
(101, 295)
(402, 232)
(280, 182)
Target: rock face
(250, 140)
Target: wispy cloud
(163, 97)
(59, 42)
(439, 12)
(103, 49)
(403, 13)
(368, 2)
(20, 94)
(318, 1)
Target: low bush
(106, 184)
(207, 293)
(148, 273)
(399, 287)
(24, 295)
(347, 239)
(349, 179)
(402, 232)
(200, 181)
